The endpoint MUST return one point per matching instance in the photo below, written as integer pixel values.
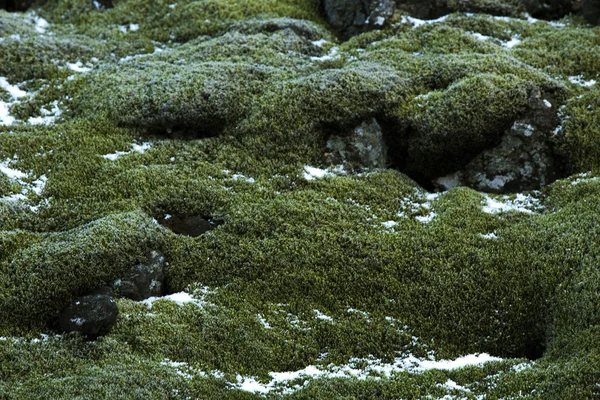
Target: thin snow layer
(585, 178)
(135, 148)
(180, 298)
(312, 173)
(78, 67)
(515, 41)
(13, 174)
(419, 22)
(370, 369)
(333, 54)
(16, 94)
(37, 186)
(522, 203)
(48, 116)
(319, 43)
(14, 91)
(41, 25)
(578, 80)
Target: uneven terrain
(425, 273)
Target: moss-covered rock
(322, 281)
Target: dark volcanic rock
(188, 225)
(144, 280)
(91, 315)
(365, 147)
(351, 17)
(17, 5)
(551, 9)
(591, 11)
(524, 160)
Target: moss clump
(40, 279)
(354, 270)
(452, 126)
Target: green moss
(455, 125)
(40, 279)
(374, 252)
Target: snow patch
(312, 173)
(522, 203)
(333, 54)
(78, 67)
(579, 80)
(135, 148)
(420, 22)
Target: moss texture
(216, 108)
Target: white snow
(135, 148)
(547, 103)
(319, 43)
(521, 203)
(40, 24)
(14, 91)
(491, 235)
(311, 173)
(379, 21)
(49, 116)
(237, 177)
(578, 80)
(5, 117)
(134, 27)
(426, 218)
(180, 298)
(12, 174)
(332, 55)
(123, 28)
(515, 41)
(320, 315)
(78, 67)
(479, 36)
(389, 224)
(372, 369)
(419, 22)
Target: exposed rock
(365, 147)
(591, 11)
(188, 225)
(17, 5)
(144, 280)
(91, 315)
(351, 17)
(523, 160)
(99, 4)
(102, 290)
(551, 9)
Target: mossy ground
(236, 98)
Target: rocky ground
(295, 199)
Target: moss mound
(322, 282)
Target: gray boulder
(351, 17)
(524, 160)
(143, 281)
(364, 147)
(90, 315)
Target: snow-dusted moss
(312, 267)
